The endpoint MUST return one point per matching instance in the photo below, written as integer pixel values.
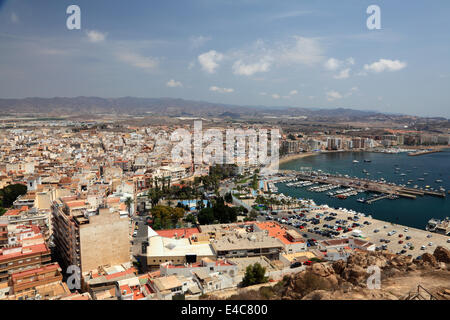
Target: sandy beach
(296, 156)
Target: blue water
(412, 213)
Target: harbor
(417, 196)
(356, 185)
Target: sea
(409, 212)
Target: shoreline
(293, 157)
(296, 157)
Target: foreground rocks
(348, 279)
(400, 275)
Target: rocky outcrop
(348, 279)
(430, 259)
(442, 254)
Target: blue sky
(275, 53)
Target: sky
(312, 54)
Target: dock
(381, 197)
(368, 185)
(419, 153)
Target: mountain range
(171, 107)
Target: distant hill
(167, 106)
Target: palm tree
(128, 203)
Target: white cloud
(14, 18)
(293, 93)
(385, 65)
(241, 68)
(276, 96)
(333, 95)
(221, 90)
(137, 60)
(290, 14)
(173, 84)
(263, 93)
(198, 41)
(209, 60)
(332, 64)
(350, 61)
(95, 36)
(344, 74)
(303, 51)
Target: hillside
(400, 278)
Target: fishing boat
(438, 181)
(366, 160)
(355, 161)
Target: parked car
(296, 265)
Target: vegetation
(9, 194)
(190, 218)
(228, 197)
(255, 182)
(218, 213)
(165, 217)
(252, 216)
(254, 274)
(128, 203)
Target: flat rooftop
(168, 247)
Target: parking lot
(331, 223)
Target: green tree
(206, 216)
(254, 274)
(165, 217)
(128, 203)
(10, 193)
(228, 197)
(190, 218)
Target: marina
(412, 204)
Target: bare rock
(430, 259)
(442, 254)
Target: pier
(419, 153)
(367, 185)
